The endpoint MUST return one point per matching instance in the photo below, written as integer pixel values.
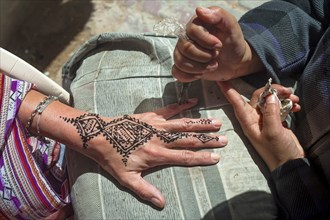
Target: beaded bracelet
(38, 111)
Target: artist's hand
(128, 145)
(216, 49)
(275, 143)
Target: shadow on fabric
(248, 205)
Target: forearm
(50, 122)
(283, 53)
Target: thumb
(146, 191)
(271, 114)
(217, 17)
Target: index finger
(234, 98)
(193, 51)
(245, 114)
(197, 31)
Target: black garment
(292, 39)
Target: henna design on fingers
(170, 137)
(127, 133)
(202, 121)
(205, 138)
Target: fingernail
(213, 64)
(223, 140)
(271, 99)
(216, 53)
(216, 123)
(199, 76)
(192, 100)
(205, 10)
(218, 46)
(215, 157)
(156, 202)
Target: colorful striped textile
(33, 178)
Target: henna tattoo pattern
(126, 133)
(202, 121)
(88, 126)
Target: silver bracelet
(38, 111)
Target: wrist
(60, 123)
(88, 135)
(250, 62)
(287, 167)
(48, 122)
(278, 163)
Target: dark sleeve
(284, 34)
(299, 192)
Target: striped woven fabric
(33, 180)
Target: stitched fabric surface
(117, 73)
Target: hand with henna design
(128, 145)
